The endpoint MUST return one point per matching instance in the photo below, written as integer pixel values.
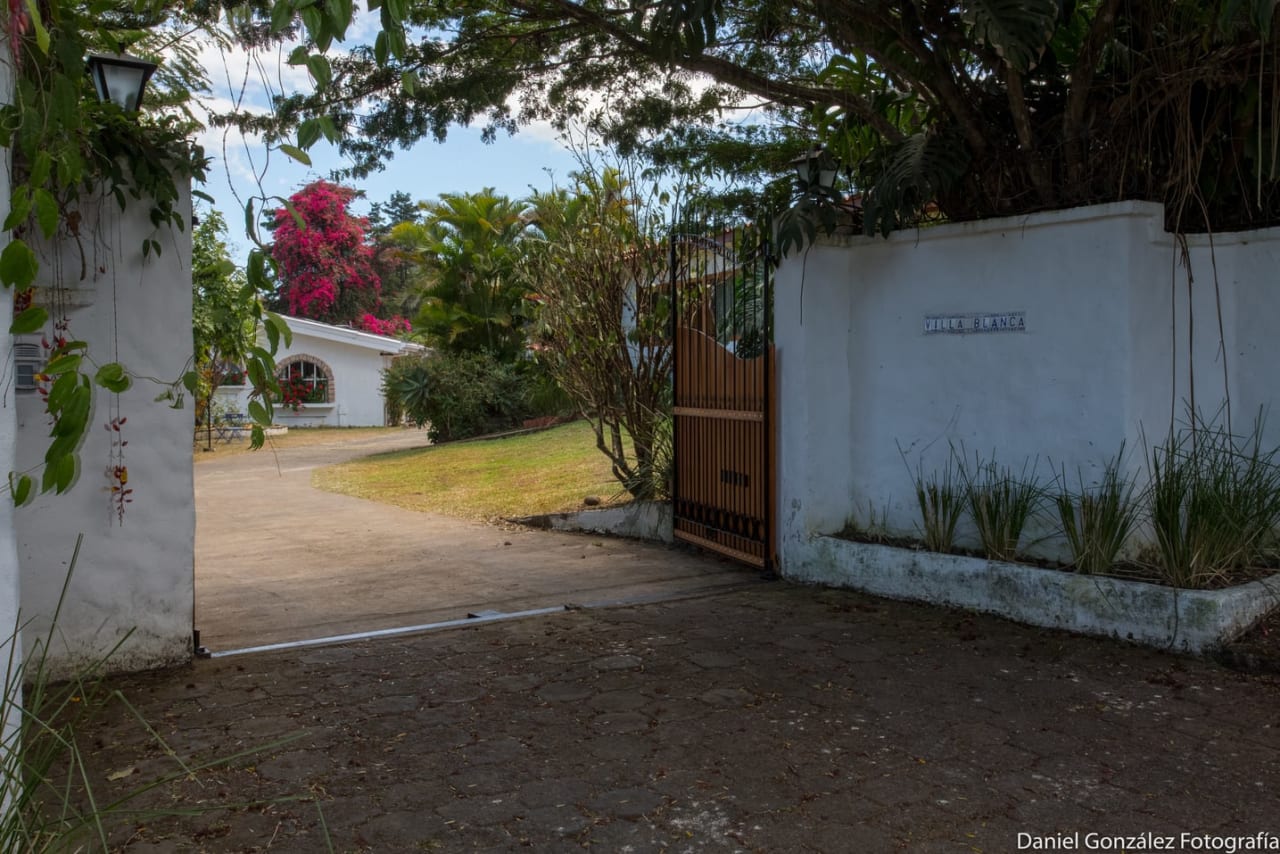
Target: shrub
(457, 395)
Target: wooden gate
(723, 432)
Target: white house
(333, 374)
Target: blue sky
(463, 163)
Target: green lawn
(545, 472)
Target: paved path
(777, 719)
(279, 561)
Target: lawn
(548, 471)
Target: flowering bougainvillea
(391, 327)
(325, 264)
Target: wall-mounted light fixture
(119, 78)
(816, 166)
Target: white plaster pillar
(8, 434)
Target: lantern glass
(120, 79)
(816, 165)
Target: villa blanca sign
(963, 324)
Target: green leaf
(314, 22)
(320, 70)
(203, 196)
(281, 15)
(329, 129)
(59, 473)
(21, 488)
(19, 207)
(285, 332)
(258, 413)
(256, 271)
(409, 82)
(30, 319)
(296, 153)
(40, 168)
(46, 212)
(1018, 30)
(308, 133)
(257, 437)
(257, 374)
(37, 24)
(18, 265)
(249, 229)
(191, 381)
(273, 336)
(64, 364)
(298, 56)
(297, 217)
(113, 378)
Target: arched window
(304, 379)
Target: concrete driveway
(279, 561)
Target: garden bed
(1190, 621)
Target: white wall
(9, 571)
(357, 377)
(134, 581)
(1103, 358)
(357, 371)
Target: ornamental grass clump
(1001, 503)
(941, 498)
(1214, 501)
(1097, 521)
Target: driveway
(775, 719)
(279, 561)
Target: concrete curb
(1188, 621)
(637, 520)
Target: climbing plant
(71, 151)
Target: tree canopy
(969, 107)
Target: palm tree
(467, 247)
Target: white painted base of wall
(1189, 621)
(638, 520)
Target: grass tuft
(1001, 503)
(1097, 521)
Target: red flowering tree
(325, 263)
(392, 327)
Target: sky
(512, 165)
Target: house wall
(355, 396)
(1107, 356)
(357, 375)
(133, 584)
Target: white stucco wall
(134, 581)
(1103, 358)
(9, 571)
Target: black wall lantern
(816, 168)
(120, 79)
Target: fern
(1018, 30)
